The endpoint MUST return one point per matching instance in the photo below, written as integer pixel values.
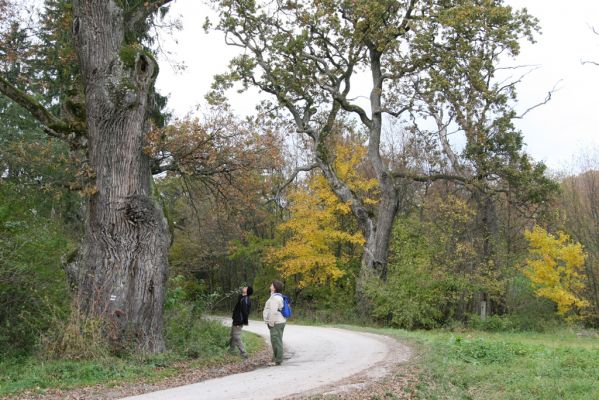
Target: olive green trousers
(276, 340)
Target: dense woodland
(417, 208)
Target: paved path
(318, 357)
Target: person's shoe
(244, 356)
(271, 364)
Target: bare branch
(304, 168)
(514, 67)
(396, 114)
(547, 99)
(511, 84)
(589, 62)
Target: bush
(333, 303)
(513, 323)
(415, 292)
(194, 337)
(186, 331)
(330, 316)
(483, 351)
(410, 300)
(33, 285)
(528, 311)
(493, 323)
(76, 338)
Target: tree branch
(547, 99)
(144, 11)
(590, 62)
(52, 125)
(344, 192)
(34, 107)
(304, 168)
(431, 178)
(398, 113)
(442, 134)
(347, 106)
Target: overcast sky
(554, 133)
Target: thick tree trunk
(376, 248)
(374, 260)
(123, 263)
(488, 228)
(376, 229)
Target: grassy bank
(35, 375)
(482, 365)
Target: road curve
(318, 358)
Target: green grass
(451, 365)
(482, 365)
(32, 374)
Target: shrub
(76, 338)
(186, 331)
(487, 351)
(32, 283)
(493, 323)
(192, 336)
(410, 300)
(415, 292)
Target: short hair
(278, 285)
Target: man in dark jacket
(240, 318)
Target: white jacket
(272, 310)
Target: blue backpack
(286, 310)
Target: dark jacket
(242, 310)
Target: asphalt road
(317, 358)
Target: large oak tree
(309, 55)
(121, 269)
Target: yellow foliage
(319, 240)
(348, 156)
(555, 268)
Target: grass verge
(482, 365)
(30, 375)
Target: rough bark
(374, 259)
(122, 268)
(377, 243)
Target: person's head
(247, 291)
(276, 287)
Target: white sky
(554, 133)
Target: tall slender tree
(465, 94)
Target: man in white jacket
(275, 321)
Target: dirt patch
(401, 383)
